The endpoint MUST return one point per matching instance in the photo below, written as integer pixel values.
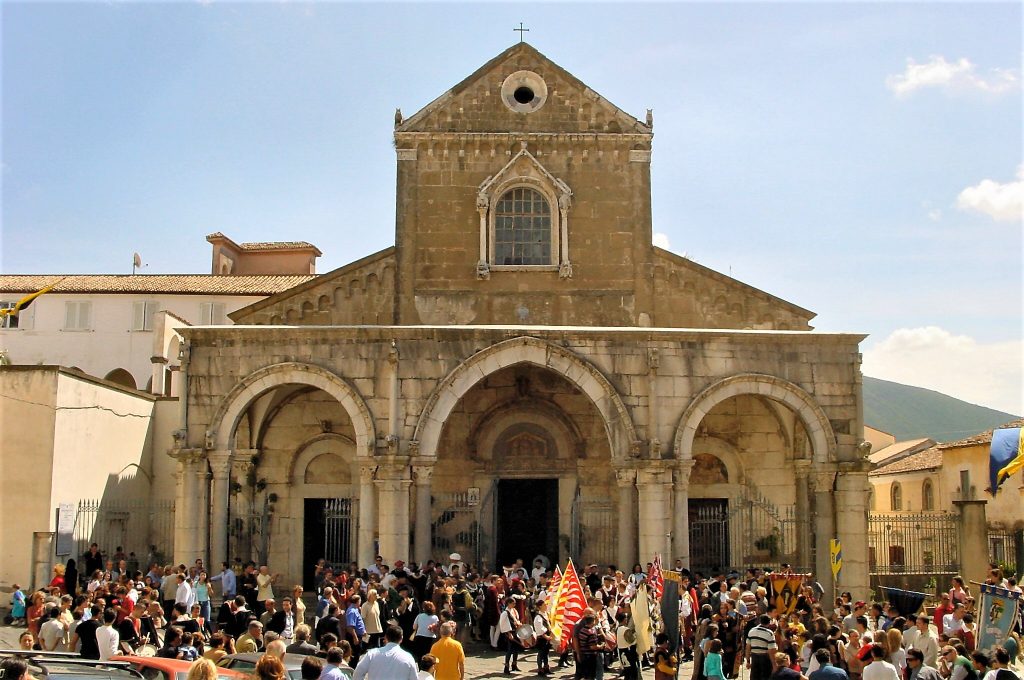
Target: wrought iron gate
(338, 534)
(594, 531)
(142, 527)
(744, 532)
(457, 524)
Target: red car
(158, 668)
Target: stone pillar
(972, 532)
(852, 530)
(824, 527)
(653, 482)
(243, 469)
(393, 488)
(803, 511)
(202, 521)
(367, 514)
(424, 511)
(186, 506)
(681, 516)
(220, 467)
(159, 366)
(626, 479)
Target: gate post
(972, 532)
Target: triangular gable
(509, 171)
(474, 105)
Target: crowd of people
(413, 621)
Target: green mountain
(911, 412)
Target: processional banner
(785, 589)
(998, 613)
(670, 608)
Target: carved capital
(367, 473)
(565, 270)
(625, 477)
(483, 202)
(682, 474)
(564, 202)
(422, 474)
(187, 456)
(220, 463)
(180, 437)
(483, 270)
(210, 440)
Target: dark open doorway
(527, 520)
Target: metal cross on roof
(521, 31)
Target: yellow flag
(642, 621)
(835, 550)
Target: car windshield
(242, 665)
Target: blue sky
(860, 160)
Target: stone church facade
(523, 373)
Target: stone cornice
(504, 136)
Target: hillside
(910, 412)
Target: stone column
(243, 469)
(681, 515)
(626, 479)
(424, 512)
(653, 482)
(220, 467)
(803, 511)
(852, 530)
(186, 505)
(367, 514)
(202, 521)
(824, 526)
(393, 488)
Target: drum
(146, 650)
(526, 635)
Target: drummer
(456, 567)
(508, 627)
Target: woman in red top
(58, 579)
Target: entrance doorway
(709, 535)
(327, 534)
(527, 520)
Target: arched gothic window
(896, 496)
(927, 495)
(522, 228)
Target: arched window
(896, 496)
(522, 228)
(927, 495)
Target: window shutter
(84, 314)
(218, 313)
(138, 316)
(70, 316)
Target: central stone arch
(233, 405)
(572, 367)
(818, 427)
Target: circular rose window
(524, 92)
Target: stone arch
(122, 377)
(815, 422)
(234, 403)
(313, 448)
(578, 371)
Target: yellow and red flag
(656, 579)
(569, 604)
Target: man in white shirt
(879, 668)
(920, 637)
(107, 637)
(183, 595)
(389, 662)
(538, 570)
(51, 633)
(954, 623)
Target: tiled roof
(886, 452)
(929, 459)
(186, 284)
(276, 245)
(982, 437)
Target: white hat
(455, 557)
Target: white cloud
(1001, 202)
(957, 76)
(989, 374)
(935, 215)
(660, 239)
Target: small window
(19, 321)
(522, 228)
(212, 314)
(927, 495)
(78, 316)
(896, 496)
(142, 315)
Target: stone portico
(523, 373)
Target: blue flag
(1006, 456)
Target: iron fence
(913, 543)
(1003, 548)
(457, 525)
(142, 529)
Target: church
(523, 373)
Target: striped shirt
(761, 640)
